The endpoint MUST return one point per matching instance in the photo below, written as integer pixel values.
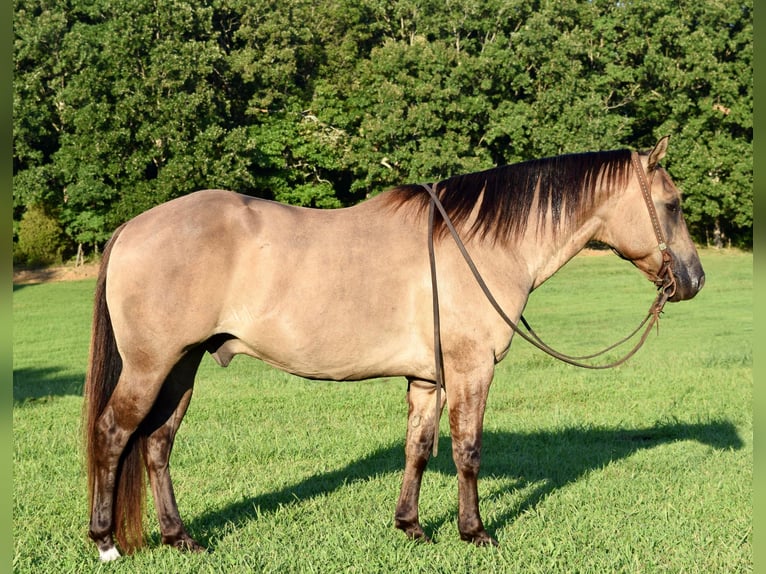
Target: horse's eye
(673, 206)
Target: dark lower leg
(109, 442)
(421, 421)
(171, 527)
(101, 518)
(466, 425)
(467, 455)
(162, 425)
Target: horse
(347, 294)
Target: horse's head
(630, 230)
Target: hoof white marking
(108, 555)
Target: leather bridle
(664, 280)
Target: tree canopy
(119, 106)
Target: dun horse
(347, 295)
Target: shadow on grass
(40, 276)
(551, 458)
(31, 385)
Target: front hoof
(413, 531)
(486, 541)
(421, 538)
(481, 539)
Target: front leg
(421, 421)
(466, 414)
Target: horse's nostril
(701, 282)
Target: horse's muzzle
(689, 280)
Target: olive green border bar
(759, 301)
(6, 296)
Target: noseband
(664, 280)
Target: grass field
(644, 468)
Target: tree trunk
(717, 235)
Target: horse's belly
(325, 319)
(326, 357)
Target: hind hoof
(108, 555)
(186, 544)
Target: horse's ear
(658, 153)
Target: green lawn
(644, 468)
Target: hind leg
(162, 425)
(421, 421)
(129, 404)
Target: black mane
(567, 186)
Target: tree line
(119, 106)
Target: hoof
(107, 551)
(186, 544)
(486, 541)
(420, 538)
(413, 532)
(108, 555)
(190, 546)
(481, 539)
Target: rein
(665, 282)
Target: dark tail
(105, 365)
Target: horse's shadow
(33, 384)
(570, 453)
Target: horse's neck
(549, 251)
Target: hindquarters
(116, 403)
(145, 348)
(104, 370)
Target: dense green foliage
(643, 468)
(40, 237)
(119, 106)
